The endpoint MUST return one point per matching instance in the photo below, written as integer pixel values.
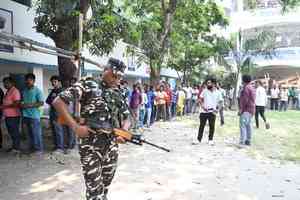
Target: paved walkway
(189, 172)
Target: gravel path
(189, 172)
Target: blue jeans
(13, 128)
(141, 118)
(148, 114)
(71, 138)
(35, 133)
(173, 109)
(245, 127)
(58, 134)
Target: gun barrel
(157, 146)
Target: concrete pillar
(240, 5)
(39, 76)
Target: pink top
(10, 97)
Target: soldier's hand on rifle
(82, 131)
(120, 140)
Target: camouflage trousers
(99, 156)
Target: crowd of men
(147, 104)
(26, 106)
(283, 97)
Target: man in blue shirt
(174, 102)
(150, 103)
(32, 100)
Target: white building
(268, 15)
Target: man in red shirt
(168, 98)
(11, 112)
(246, 110)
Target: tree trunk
(67, 70)
(66, 67)
(154, 73)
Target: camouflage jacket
(99, 102)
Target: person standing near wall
(195, 94)
(188, 100)
(246, 110)
(142, 111)
(161, 104)
(150, 97)
(180, 101)
(153, 103)
(260, 103)
(174, 102)
(57, 129)
(11, 113)
(135, 102)
(168, 98)
(32, 100)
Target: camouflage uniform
(98, 152)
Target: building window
(24, 2)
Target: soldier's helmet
(117, 66)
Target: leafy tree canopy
(103, 26)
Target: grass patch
(281, 142)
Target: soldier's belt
(99, 126)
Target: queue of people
(160, 103)
(147, 104)
(24, 109)
(282, 98)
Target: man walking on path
(246, 110)
(260, 102)
(209, 101)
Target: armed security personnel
(103, 108)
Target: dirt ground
(189, 172)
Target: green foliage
(262, 43)
(58, 20)
(190, 45)
(289, 4)
(181, 44)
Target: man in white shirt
(188, 100)
(230, 97)
(195, 94)
(209, 102)
(274, 97)
(260, 102)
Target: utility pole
(80, 39)
(80, 60)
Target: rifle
(136, 139)
(129, 137)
